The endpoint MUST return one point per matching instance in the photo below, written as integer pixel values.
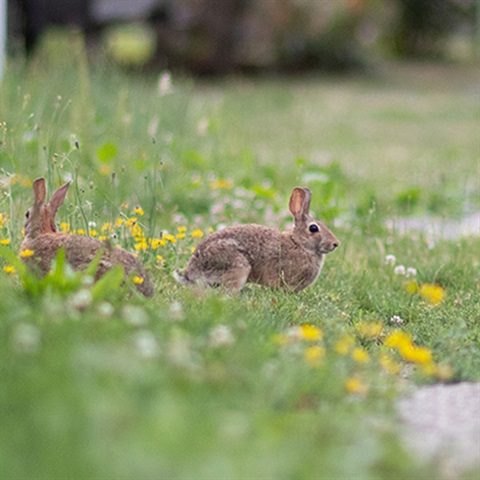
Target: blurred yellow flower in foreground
(314, 355)
(310, 332)
(137, 280)
(345, 344)
(369, 329)
(9, 269)
(4, 241)
(26, 253)
(356, 386)
(433, 294)
(360, 355)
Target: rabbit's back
(276, 260)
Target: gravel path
(442, 425)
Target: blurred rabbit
(254, 253)
(42, 238)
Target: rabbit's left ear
(300, 202)
(58, 197)
(39, 192)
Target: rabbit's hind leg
(235, 277)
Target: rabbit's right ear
(39, 192)
(300, 202)
(57, 198)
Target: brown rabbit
(255, 253)
(42, 238)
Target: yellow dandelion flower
(180, 236)
(369, 330)
(221, 184)
(314, 355)
(356, 386)
(169, 238)
(345, 344)
(103, 238)
(192, 249)
(157, 242)
(411, 287)
(197, 233)
(131, 221)
(106, 227)
(429, 369)
(4, 241)
(80, 231)
(310, 332)
(26, 253)
(9, 269)
(182, 229)
(105, 170)
(119, 222)
(138, 280)
(160, 258)
(389, 365)
(414, 354)
(93, 233)
(398, 339)
(139, 211)
(64, 227)
(444, 372)
(142, 245)
(360, 355)
(432, 294)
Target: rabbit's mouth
(328, 248)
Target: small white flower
(411, 272)
(202, 127)
(165, 84)
(220, 336)
(397, 319)
(134, 315)
(105, 309)
(82, 299)
(390, 260)
(399, 270)
(146, 344)
(176, 311)
(26, 338)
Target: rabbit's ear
(300, 202)
(39, 192)
(58, 197)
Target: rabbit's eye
(27, 214)
(313, 228)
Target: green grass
(123, 387)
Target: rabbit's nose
(335, 245)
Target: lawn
(101, 383)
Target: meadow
(98, 382)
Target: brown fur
(41, 237)
(255, 253)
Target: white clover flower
(411, 272)
(82, 299)
(105, 309)
(146, 344)
(176, 311)
(396, 319)
(390, 260)
(399, 270)
(165, 85)
(202, 127)
(135, 316)
(220, 336)
(26, 338)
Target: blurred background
(217, 37)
